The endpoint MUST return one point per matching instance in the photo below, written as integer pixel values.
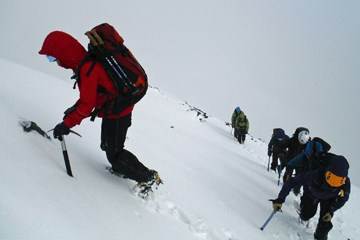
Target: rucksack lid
(105, 34)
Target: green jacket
(242, 123)
(233, 118)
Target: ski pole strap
(267, 220)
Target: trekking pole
(279, 173)
(268, 220)
(268, 167)
(66, 156)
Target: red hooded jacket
(69, 53)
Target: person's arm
(290, 184)
(342, 197)
(233, 120)
(87, 100)
(270, 146)
(247, 125)
(297, 161)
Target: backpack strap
(105, 107)
(100, 89)
(76, 76)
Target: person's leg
(323, 227)
(129, 165)
(296, 190)
(238, 136)
(113, 136)
(274, 162)
(236, 133)
(282, 159)
(243, 137)
(308, 207)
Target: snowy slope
(215, 189)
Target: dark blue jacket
(312, 157)
(277, 137)
(314, 186)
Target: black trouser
(240, 135)
(278, 156)
(289, 174)
(308, 207)
(113, 135)
(236, 133)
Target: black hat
(339, 166)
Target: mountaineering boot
(116, 173)
(146, 187)
(319, 235)
(321, 238)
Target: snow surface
(214, 188)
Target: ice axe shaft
(268, 220)
(66, 157)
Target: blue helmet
(237, 109)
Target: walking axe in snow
(65, 153)
(268, 220)
(279, 174)
(66, 156)
(29, 126)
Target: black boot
(319, 234)
(147, 186)
(320, 238)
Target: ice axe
(65, 153)
(29, 126)
(279, 174)
(66, 156)
(268, 220)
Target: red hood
(63, 47)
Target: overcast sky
(285, 63)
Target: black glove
(269, 153)
(60, 130)
(277, 204)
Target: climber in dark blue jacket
(274, 149)
(310, 157)
(329, 186)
